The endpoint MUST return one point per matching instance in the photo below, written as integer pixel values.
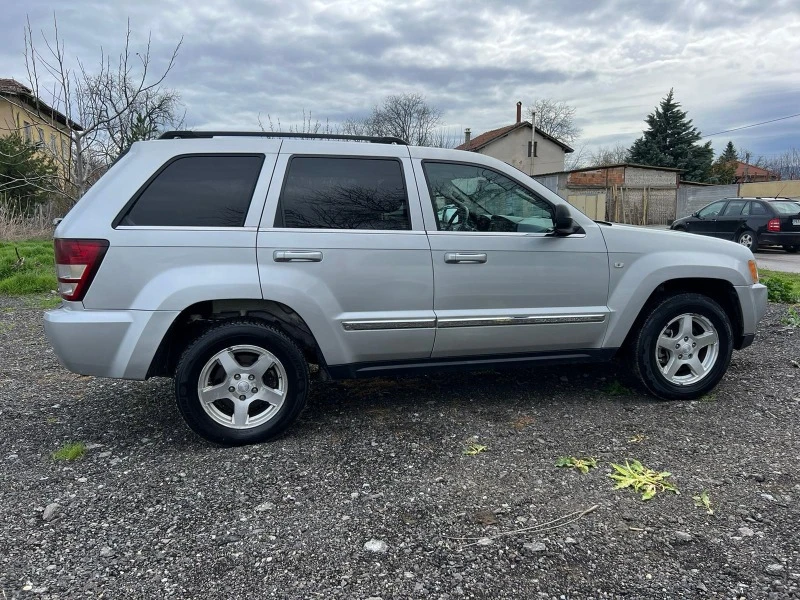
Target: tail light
(77, 262)
(774, 225)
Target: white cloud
(731, 62)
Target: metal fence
(692, 198)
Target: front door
(503, 283)
(705, 222)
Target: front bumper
(753, 301)
(106, 343)
(780, 238)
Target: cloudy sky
(731, 62)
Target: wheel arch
(719, 290)
(195, 319)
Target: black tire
(753, 236)
(645, 344)
(679, 228)
(791, 249)
(238, 334)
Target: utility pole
(533, 139)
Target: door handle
(297, 256)
(465, 257)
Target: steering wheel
(462, 213)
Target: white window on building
(64, 148)
(53, 145)
(41, 135)
(27, 127)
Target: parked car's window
(785, 208)
(756, 208)
(476, 198)
(343, 193)
(734, 208)
(199, 191)
(712, 210)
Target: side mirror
(564, 225)
(696, 214)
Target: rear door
(789, 214)
(342, 242)
(732, 219)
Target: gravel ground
(367, 495)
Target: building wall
(628, 194)
(692, 198)
(788, 189)
(513, 150)
(13, 117)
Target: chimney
(467, 135)
(519, 112)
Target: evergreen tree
(729, 154)
(27, 175)
(672, 141)
(723, 171)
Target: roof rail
(175, 135)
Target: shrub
(780, 289)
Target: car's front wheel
(684, 347)
(241, 382)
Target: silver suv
(232, 261)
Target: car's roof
(765, 198)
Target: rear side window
(343, 193)
(734, 208)
(756, 208)
(198, 191)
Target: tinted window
(756, 208)
(785, 208)
(734, 208)
(475, 198)
(711, 210)
(343, 193)
(201, 191)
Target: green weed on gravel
(792, 318)
(615, 388)
(70, 451)
(703, 501)
(581, 464)
(640, 479)
(26, 267)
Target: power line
(753, 125)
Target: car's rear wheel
(241, 382)
(791, 249)
(684, 347)
(748, 239)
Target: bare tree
(608, 155)
(104, 102)
(787, 165)
(307, 125)
(406, 116)
(555, 118)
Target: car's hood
(639, 240)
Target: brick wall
(598, 177)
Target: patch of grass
(638, 438)
(703, 501)
(712, 397)
(781, 287)
(615, 388)
(70, 451)
(27, 267)
(581, 464)
(640, 479)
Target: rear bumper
(780, 238)
(753, 301)
(114, 343)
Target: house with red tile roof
(746, 173)
(530, 150)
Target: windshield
(786, 208)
